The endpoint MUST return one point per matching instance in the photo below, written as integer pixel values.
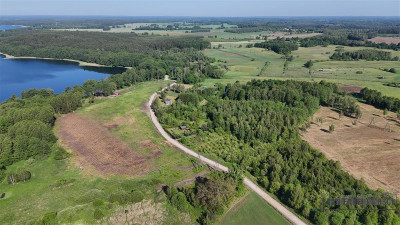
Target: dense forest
(383, 25)
(26, 125)
(150, 58)
(279, 45)
(255, 126)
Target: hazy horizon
(205, 8)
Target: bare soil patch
(366, 152)
(387, 40)
(354, 89)
(97, 147)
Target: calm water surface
(17, 75)
(9, 27)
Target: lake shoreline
(81, 63)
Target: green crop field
(246, 63)
(252, 210)
(59, 186)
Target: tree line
(378, 100)
(364, 54)
(255, 126)
(346, 40)
(26, 124)
(149, 58)
(279, 45)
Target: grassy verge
(252, 210)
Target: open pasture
(356, 73)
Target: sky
(207, 8)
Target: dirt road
(278, 206)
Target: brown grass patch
(354, 89)
(98, 148)
(365, 152)
(387, 40)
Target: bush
(48, 218)
(180, 202)
(331, 128)
(60, 153)
(308, 64)
(98, 214)
(137, 196)
(98, 202)
(20, 175)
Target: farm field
(214, 32)
(245, 64)
(60, 186)
(252, 210)
(366, 152)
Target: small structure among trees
(184, 128)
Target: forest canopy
(255, 126)
(149, 57)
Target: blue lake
(9, 27)
(17, 75)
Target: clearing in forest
(387, 40)
(366, 151)
(97, 147)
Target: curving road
(278, 206)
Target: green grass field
(59, 186)
(252, 210)
(243, 68)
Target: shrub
(20, 175)
(308, 64)
(137, 196)
(263, 181)
(392, 70)
(359, 72)
(98, 202)
(63, 182)
(60, 153)
(331, 128)
(48, 218)
(180, 202)
(98, 214)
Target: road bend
(277, 205)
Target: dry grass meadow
(366, 151)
